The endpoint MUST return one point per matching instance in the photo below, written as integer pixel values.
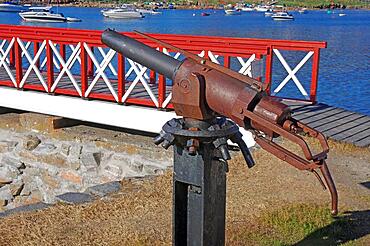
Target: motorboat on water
(149, 11)
(303, 11)
(244, 7)
(262, 8)
(282, 16)
(232, 12)
(269, 13)
(123, 12)
(205, 14)
(44, 14)
(247, 9)
(12, 7)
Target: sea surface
(344, 76)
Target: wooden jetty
(335, 123)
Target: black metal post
(199, 178)
(199, 196)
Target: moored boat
(44, 14)
(205, 14)
(123, 12)
(263, 8)
(149, 11)
(303, 11)
(269, 13)
(282, 16)
(12, 7)
(247, 9)
(232, 12)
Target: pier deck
(335, 123)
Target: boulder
(104, 189)
(12, 160)
(90, 160)
(16, 187)
(8, 173)
(45, 148)
(75, 198)
(7, 146)
(6, 193)
(31, 142)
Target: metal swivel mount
(199, 180)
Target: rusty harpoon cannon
(204, 93)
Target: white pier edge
(95, 111)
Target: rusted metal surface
(202, 91)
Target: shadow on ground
(351, 226)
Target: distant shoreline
(190, 7)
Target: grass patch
(303, 224)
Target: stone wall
(36, 167)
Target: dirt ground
(260, 204)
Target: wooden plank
(324, 116)
(358, 136)
(345, 125)
(347, 130)
(365, 142)
(309, 108)
(336, 120)
(360, 129)
(308, 115)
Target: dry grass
(271, 204)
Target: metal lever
(238, 139)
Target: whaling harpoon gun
(203, 90)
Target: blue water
(344, 77)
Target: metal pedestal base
(199, 188)
(199, 180)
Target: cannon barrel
(141, 53)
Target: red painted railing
(73, 62)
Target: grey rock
(90, 160)
(45, 148)
(26, 208)
(75, 151)
(6, 145)
(75, 198)
(12, 161)
(152, 170)
(104, 189)
(5, 193)
(28, 188)
(113, 171)
(47, 193)
(16, 187)
(8, 173)
(136, 166)
(31, 142)
(65, 149)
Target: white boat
(44, 14)
(12, 7)
(269, 13)
(262, 8)
(232, 12)
(303, 11)
(247, 9)
(148, 11)
(72, 19)
(342, 14)
(122, 13)
(282, 16)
